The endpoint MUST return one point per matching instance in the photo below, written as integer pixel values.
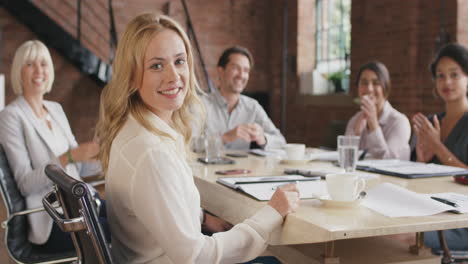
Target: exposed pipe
(197, 46)
(113, 32)
(78, 25)
(284, 71)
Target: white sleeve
(176, 227)
(274, 138)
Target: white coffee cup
(344, 186)
(295, 151)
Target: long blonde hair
(120, 97)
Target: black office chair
(81, 216)
(334, 129)
(16, 225)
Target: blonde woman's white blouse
(154, 205)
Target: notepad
(395, 201)
(409, 169)
(262, 188)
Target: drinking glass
(348, 147)
(213, 147)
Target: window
(333, 45)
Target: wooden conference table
(319, 234)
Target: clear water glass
(213, 147)
(348, 147)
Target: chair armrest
(66, 225)
(25, 212)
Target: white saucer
(343, 204)
(295, 162)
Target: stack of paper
(395, 201)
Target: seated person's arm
(271, 134)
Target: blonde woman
(144, 129)
(36, 132)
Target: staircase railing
(75, 28)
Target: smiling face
(235, 75)
(370, 85)
(165, 74)
(451, 81)
(35, 77)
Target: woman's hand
(285, 200)
(428, 136)
(427, 133)
(360, 125)
(215, 224)
(85, 151)
(369, 109)
(423, 153)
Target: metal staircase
(56, 37)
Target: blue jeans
(457, 239)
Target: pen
(280, 180)
(445, 201)
(363, 155)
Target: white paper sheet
(395, 201)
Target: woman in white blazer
(36, 132)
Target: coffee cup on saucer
(295, 151)
(344, 187)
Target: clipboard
(409, 169)
(263, 187)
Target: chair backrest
(17, 228)
(81, 216)
(334, 129)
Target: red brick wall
(400, 33)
